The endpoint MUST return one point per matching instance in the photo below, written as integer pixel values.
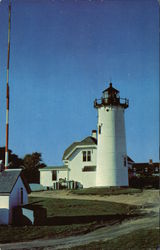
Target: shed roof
(49, 168)
(8, 179)
(87, 141)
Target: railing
(111, 101)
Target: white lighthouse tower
(112, 167)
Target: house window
(86, 155)
(89, 169)
(21, 196)
(54, 175)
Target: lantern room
(110, 96)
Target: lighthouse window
(86, 155)
(125, 161)
(99, 129)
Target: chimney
(150, 162)
(94, 134)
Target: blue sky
(63, 55)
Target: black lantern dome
(110, 97)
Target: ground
(145, 227)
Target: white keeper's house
(100, 159)
(14, 191)
(79, 164)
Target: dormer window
(86, 155)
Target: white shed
(14, 191)
(52, 174)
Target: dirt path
(148, 200)
(102, 234)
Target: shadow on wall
(29, 215)
(4, 216)
(37, 216)
(33, 214)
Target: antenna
(7, 90)
(109, 80)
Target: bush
(144, 182)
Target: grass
(28, 233)
(146, 239)
(106, 191)
(63, 209)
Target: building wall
(15, 197)
(46, 177)
(75, 173)
(4, 209)
(111, 150)
(8, 202)
(62, 175)
(76, 164)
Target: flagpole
(7, 90)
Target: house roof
(49, 168)
(129, 159)
(87, 141)
(144, 165)
(8, 179)
(69, 149)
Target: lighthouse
(112, 169)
